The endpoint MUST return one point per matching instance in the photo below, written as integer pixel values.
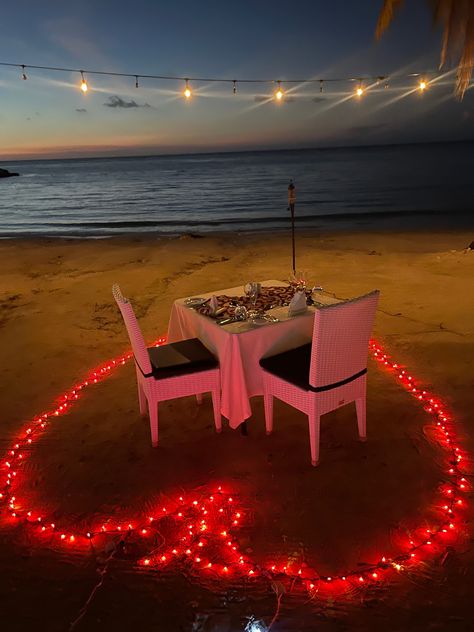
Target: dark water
(405, 186)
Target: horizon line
(239, 151)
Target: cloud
(81, 110)
(118, 102)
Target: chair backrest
(134, 333)
(341, 337)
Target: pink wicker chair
(170, 371)
(328, 372)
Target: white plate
(195, 301)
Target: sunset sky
(48, 116)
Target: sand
(58, 319)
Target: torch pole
(292, 209)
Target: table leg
(244, 429)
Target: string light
(187, 89)
(210, 544)
(84, 86)
(279, 92)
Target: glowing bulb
(279, 93)
(422, 85)
(187, 90)
(84, 86)
(359, 91)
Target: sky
(48, 116)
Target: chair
(169, 371)
(327, 373)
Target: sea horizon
(206, 152)
(364, 187)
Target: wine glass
(251, 291)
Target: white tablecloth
(239, 347)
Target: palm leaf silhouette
(457, 20)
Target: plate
(195, 301)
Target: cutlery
(226, 321)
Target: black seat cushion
(291, 366)
(181, 358)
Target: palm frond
(386, 16)
(456, 18)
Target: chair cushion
(181, 358)
(291, 366)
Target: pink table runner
(240, 346)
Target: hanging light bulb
(136, 81)
(187, 90)
(279, 92)
(422, 85)
(23, 74)
(234, 87)
(360, 90)
(321, 89)
(84, 86)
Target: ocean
(396, 187)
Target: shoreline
(300, 232)
(342, 222)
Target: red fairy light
(221, 521)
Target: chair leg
(268, 405)
(153, 407)
(141, 399)
(199, 398)
(314, 424)
(361, 416)
(216, 404)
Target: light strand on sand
(200, 528)
(278, 94)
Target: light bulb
(279, 92)
(84, 86)
(422, 85)
(187, 90)
(359, 91)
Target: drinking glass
(240, 312)
(251, 291)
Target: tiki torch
(291, 208)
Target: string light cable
(423, 79)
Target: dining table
(239, 345)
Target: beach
(58, 320)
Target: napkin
(213, 305)
(297, 304)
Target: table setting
(256, 303)
(280, 319)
